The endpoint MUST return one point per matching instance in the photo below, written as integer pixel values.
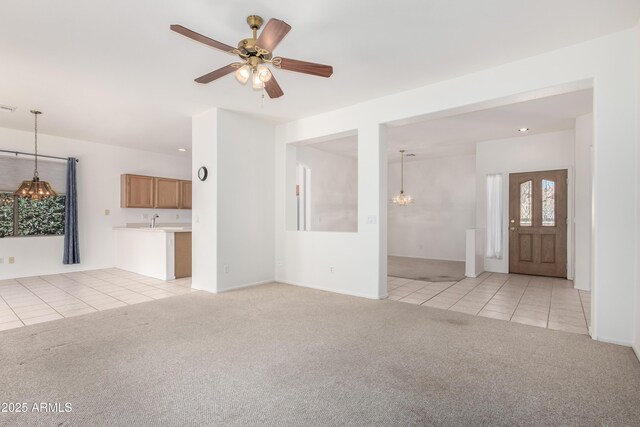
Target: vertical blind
(14, 170)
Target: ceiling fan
(255, 53)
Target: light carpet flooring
(284, 355)
(430, 270)
(37, 299)
(532, 300)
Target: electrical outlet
(1, 260)
(145, 216)
(332, 270)
(12, 260)
(107, 212)
(177, 216)
(226, 268)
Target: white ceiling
(458, 134)
(347, 146)
(112, 72)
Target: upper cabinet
(185, 194)
(138, 191)
(167, 193)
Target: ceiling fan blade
(273, 88)
(303, 67)
(220, 72)
(202, 39)
(272, 34)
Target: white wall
(98, 175)
(444, 206)
(636, 344)
(547, 151)
(233, 228)
(334, 189)
(583, 202)
(607, 64)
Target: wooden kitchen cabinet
(185, 194)
(182, 255)
(167, 193)
(136, 191)
(139, 191)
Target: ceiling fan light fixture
(258, 84)
(243, 73)
(254, 52)
(263, 73)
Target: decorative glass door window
(548, 203)
(525, 204)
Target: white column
(205, 202)
(372, 203)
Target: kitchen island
(163, 252)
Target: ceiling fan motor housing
(248, 46)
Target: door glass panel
(548, 203)
(525, 203)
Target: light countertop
(160, 228)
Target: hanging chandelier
(35, 189)
(402, 199)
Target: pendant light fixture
(35, 189)
(402, 199)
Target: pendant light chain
(401, 171)
(35, 113)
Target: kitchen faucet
(153, 220)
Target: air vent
(7, 108)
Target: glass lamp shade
(402, 199)
(35, 189)
(243, 73)
(257, 83)
(264, 74)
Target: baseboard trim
(246, 285)
(335, 291)
(431, 259)
(636, 350)
(615, 341)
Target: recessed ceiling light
(523, 130)
(7, 108)
(182, 149)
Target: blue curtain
(71, 246)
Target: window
(548, 203)
(26, 217)
(494, 216)
(525, 204)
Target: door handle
(513, 229)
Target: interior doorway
(538, 223)
(471, 176)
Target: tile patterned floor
(31, 300)
(538, 301)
